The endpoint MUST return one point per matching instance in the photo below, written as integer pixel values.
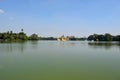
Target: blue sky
(61, 17)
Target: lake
(54, 60)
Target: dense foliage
(33, 37)
(10, 36)
(105, 37)
(77, 39)
(47, 38)
(15, 37)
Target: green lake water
(53, 60)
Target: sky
(78, 18)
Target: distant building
(63, 38)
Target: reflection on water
(68, 43)
(34, 44)
(9, 47)
(17, 47)
(22, 46)
(53, 60)
(106, 45)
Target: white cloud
(1, 11)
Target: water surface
(52, 60)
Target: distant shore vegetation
(103, 37)
(21, 36)
(10, 36)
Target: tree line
(105, 37)
(10, 36)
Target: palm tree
(22, 30)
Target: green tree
(108, 37)
(101, 37)
(22, 30)
(22, 36)
(90, 38)
(34, 37)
